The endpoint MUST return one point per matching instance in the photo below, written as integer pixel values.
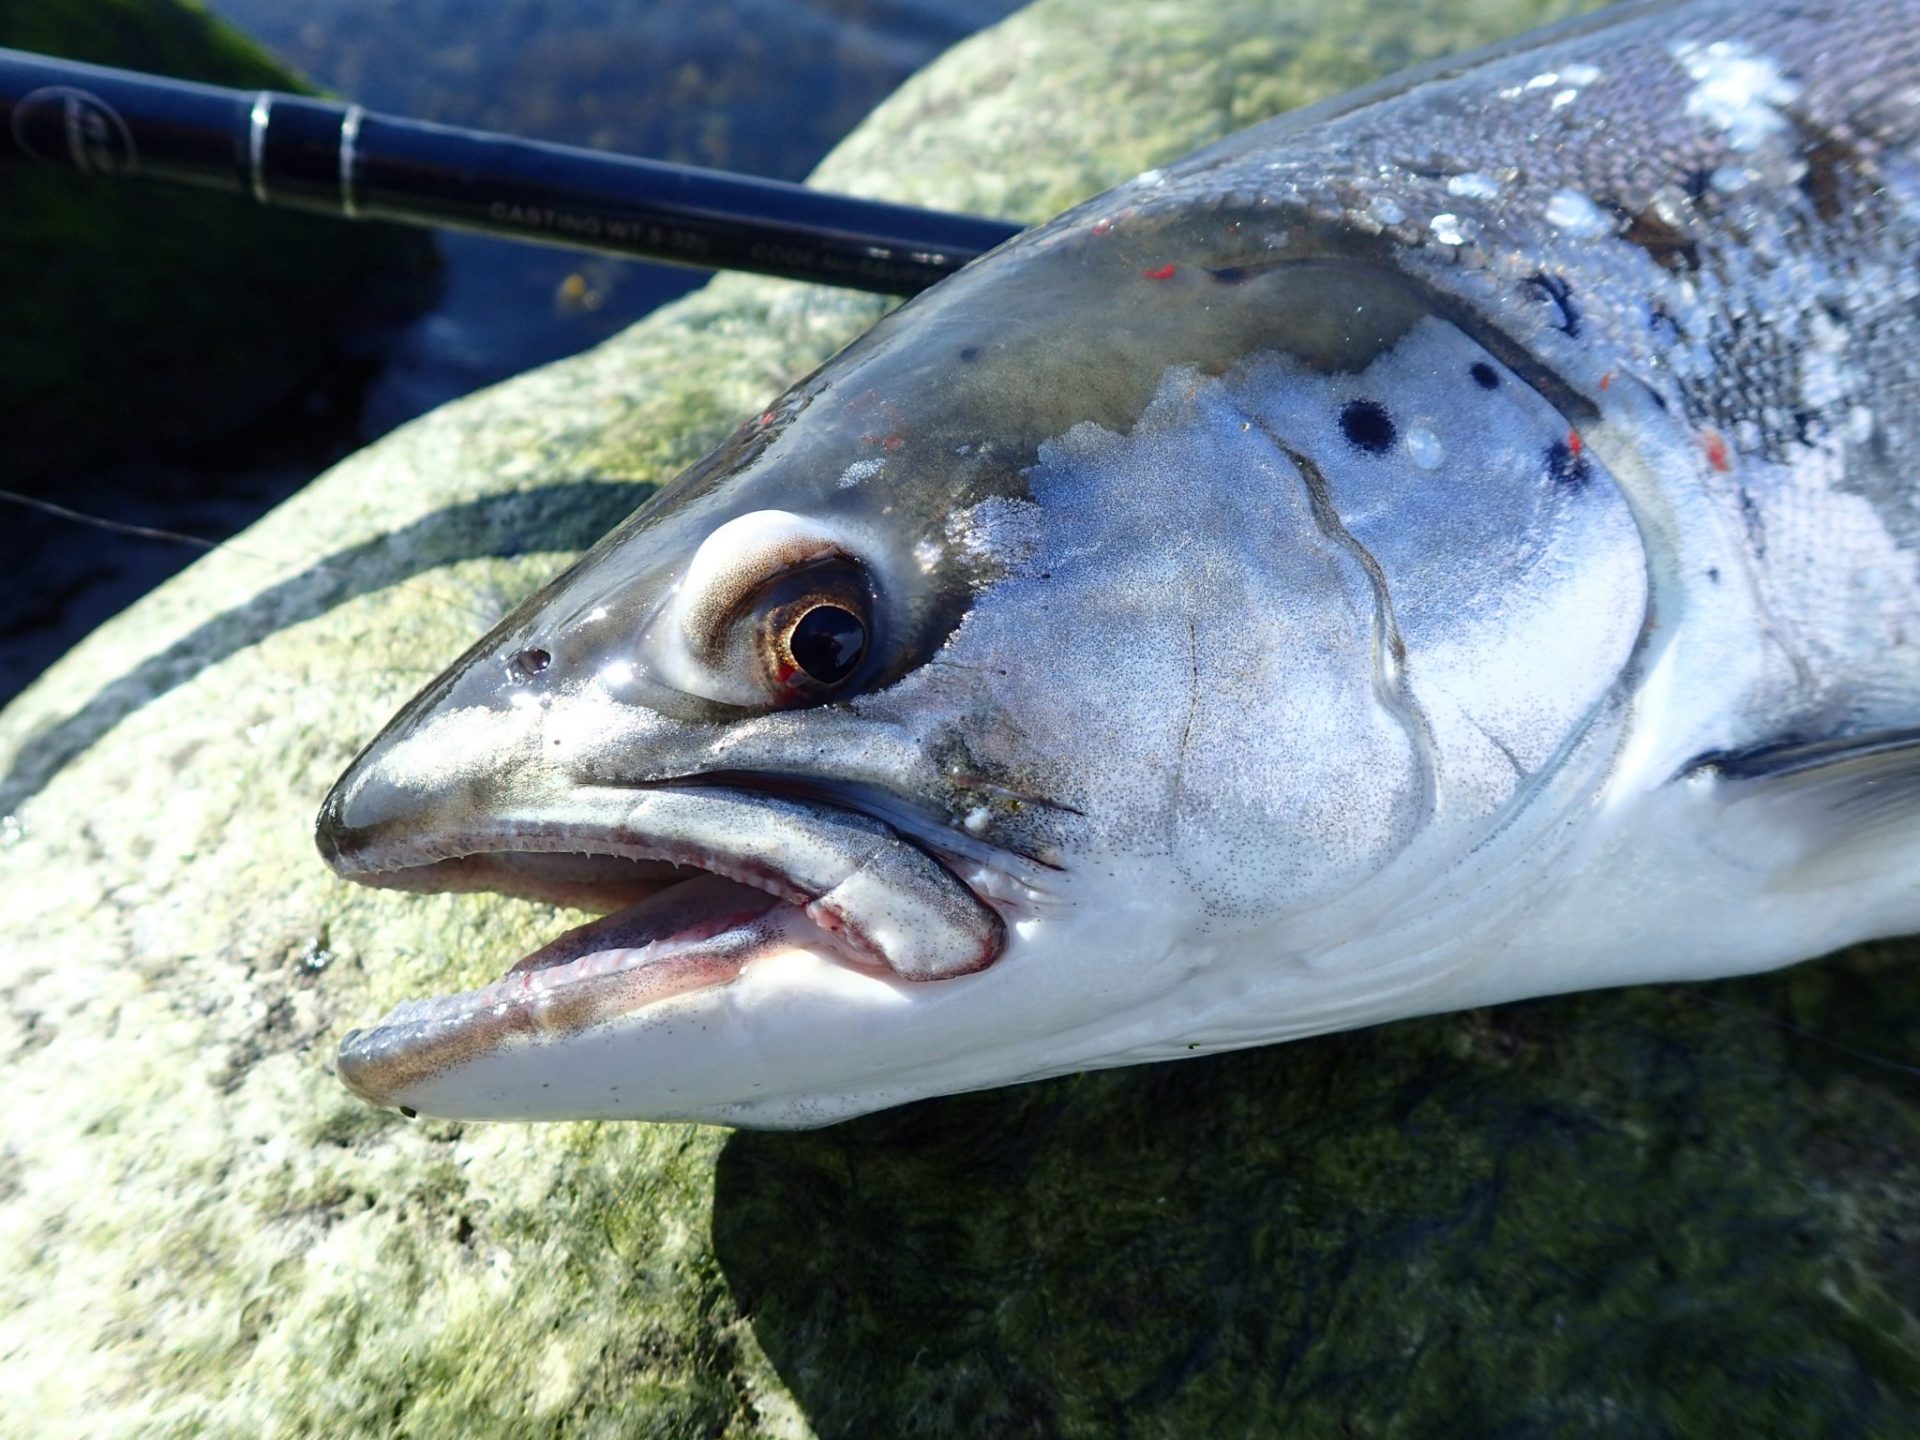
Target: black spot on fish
(1567, 467)
(969, 353)
(1557, 290)
(1666, 244)
(1713, 573)
(1367, 426)
(1808, 428)
(1698, 183)
(1229, 274)
(1484, 375)
(1660, 318)
(1832, 168)
(1438, 165)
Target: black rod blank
(340, 159)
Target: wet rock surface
(1658, 1212)
(1672, 1212)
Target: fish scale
(1452, 544)
(1708, 293)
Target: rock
(1683, 1210)
(142, 331)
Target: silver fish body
(1451, 544)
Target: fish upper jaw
(888, 901)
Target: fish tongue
(686, 913)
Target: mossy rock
(151, 320)
(1677, 1211)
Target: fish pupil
(827, 642)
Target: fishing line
(119, 527)
(1801, 1032)
(200, 542)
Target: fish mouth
(701, 879)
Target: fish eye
(827, 642)
(813, 627)
(773, 610)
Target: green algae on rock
(1653, 1212)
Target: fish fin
(1852, 803)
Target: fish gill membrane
(1304, 587)
(1613, 1192)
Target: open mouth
(700, 881)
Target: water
(760, 86)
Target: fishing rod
(344, 160)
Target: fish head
(1016, 695)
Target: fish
(1451, 544)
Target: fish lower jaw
(691, 939)
(610, 978)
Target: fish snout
(362, 818)
(332, 835)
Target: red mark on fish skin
(1574, 442)
(872, 400)
(1165, 272)
(1715, 444)
(1103, 227)
(1606, 381)
(893, 437)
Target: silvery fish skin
(1453, 544)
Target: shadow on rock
(561, 516)
(1648, 1212)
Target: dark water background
(760, 86)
